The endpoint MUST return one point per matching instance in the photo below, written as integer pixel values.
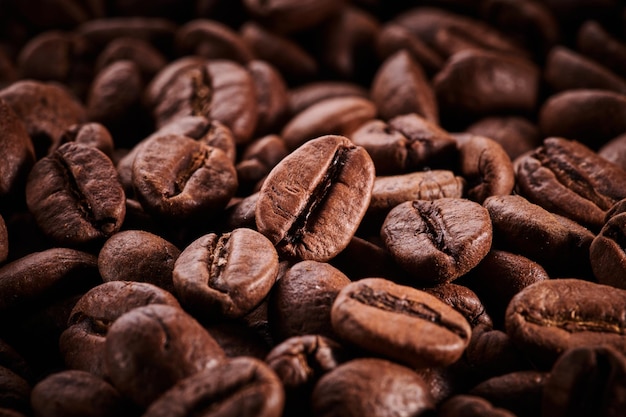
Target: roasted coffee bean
(301, 300)
(240, 213)
(567, 178)
(46, 109)
(13, 361)
(501, 275)
(306, 208)
(437, 241)
(90, 134)
(608, 259)
(77, 393)
(479, 83)
(590, 116)
(293, 62)
(177, 177)
(471, 406)
(271, 96)
(598, 44)
(371, 387)
(615, 151)
(374, 261)
(75, 195)
(586, 381)
(401, 87)
(332, 116)
(148, 59)
(549, 317)
(301, 360)
(241, 386)
(15, 391)
(82, 343)
(17, 152)
(291, 15)
(258, 159)
(567, 70)
(372, 313)
(151, 348)
(519, 392)
(155, 30)
(48, 56)
(136, 255)
(393, 38)
(389, 191)
(222, 90)
(406, 143)
(225, 276)
(463, 300)
(308, 94)
(515, 134)
(212, 40)
(486, 167)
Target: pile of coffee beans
(312, 208)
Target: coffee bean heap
(312, 208)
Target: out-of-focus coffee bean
(401, 87)
(82, 344)
(212, 40)
(371, 313)
(100, 32)
(542, 321)
(471, 406)
(225, 276)
(596, 43)
(271, 96)
(567, 70)
(608, 259)
(75, 195)
(151, 348)
(437, 241)
(301, 300)
(332, 116)
(514, 133)
(388, 387)
(615, 151)
(567, 178)
(584, 381)
(590, 116)
(306, 208)
(287, 16)
(15, 391)
(148, 59)
(77, 393)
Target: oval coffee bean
(437, 241)
(549, 317)
(373, 388)
(515, 134)
(464, 405)
(567, 178)
(586, 381)
(374, 313)
(177, 177)
(608, 259)
(287, 16)
(463, 300)
(16, 151)
(225, 276)
(598, 44)
(150, 348)
(212, 40)
(82, 343)
(75, 195)
(312, 202)
(242, 386)
(308, 94)
(302, 298)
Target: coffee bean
(148, 59)
(151, 348)
(407, 143)
(177, 177)
(549, 317)
(225, 276)
(212, 40)
(607, 253)
(77, 393)
(308, 94)
(15, 391)
(515, 134)
(401, 87)
(258, 159)
(595, 42)
(90, 134)
(372, 312)
(372, 387)
(75, 195)
(615, 151)
(291, 15)
(241, 386)
(271, 96)
(306, 208)
(155, 30)
(16, 150)
(585, 381)
(301, 300)
(568, 178)
(471, 406)
(437, 241)
(463, 300)
(82, 343)
(332, 116)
